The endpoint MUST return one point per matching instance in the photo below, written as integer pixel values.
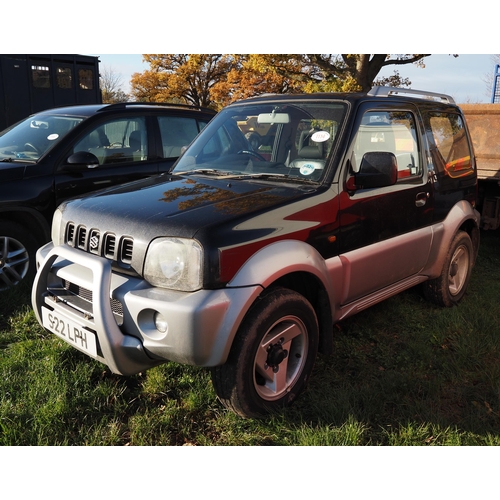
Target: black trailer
(31, 83)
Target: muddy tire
(272, 355)
(449, 288)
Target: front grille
(81, 238)
(109, 246)
(126, 250)
(70, 234)
(104, 244)
(87, 296)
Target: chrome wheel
(280, 358)
(14, 262)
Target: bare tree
(111, 86)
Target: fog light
(160, 323)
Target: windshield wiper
(18, 160)
(269, 175)
(207, 171)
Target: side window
(116, 141)
(393, 132)
(86, 79)
(64, 78)
(40, 77)
(176, 133)
(449, 145)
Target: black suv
(66, 152)
(287, 214)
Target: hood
(177, 206)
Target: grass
(403, 373)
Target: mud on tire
(272, 355)
(449, 288)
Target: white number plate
(69, 331)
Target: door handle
(421, 199)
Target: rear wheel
(449, 288)
(272, 355)
(17, 255)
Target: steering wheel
(30, 146)
(251, 153)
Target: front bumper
(199, 329)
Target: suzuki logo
(94, 242)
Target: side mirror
(377, 169)
(81, 160)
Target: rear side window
(176, 133)
(393, 132)
(449, 145)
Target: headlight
(175, 263)
(56, 227)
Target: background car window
(33, 137)
(450, 151)
(116, 141)
(392, 132)
(176, 133)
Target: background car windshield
(33, 137)
(289, 139)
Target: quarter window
(450, 148)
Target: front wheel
(272, 356)
(449, 288)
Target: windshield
(30, 139)
(290, 140)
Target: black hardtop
(376, 93)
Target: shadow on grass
(406, 361)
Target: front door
(385, 232)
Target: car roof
(92, 109)
(377, 92)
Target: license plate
(70, 331)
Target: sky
(463, 77)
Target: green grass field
(404, 372)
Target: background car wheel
(449, 288)
(272, 355)
(17, 255)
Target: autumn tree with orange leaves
(215, 80)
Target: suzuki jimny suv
(287, 214)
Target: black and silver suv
(66, 152)
(287, 214)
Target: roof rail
(120, 105)
(380, 91)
